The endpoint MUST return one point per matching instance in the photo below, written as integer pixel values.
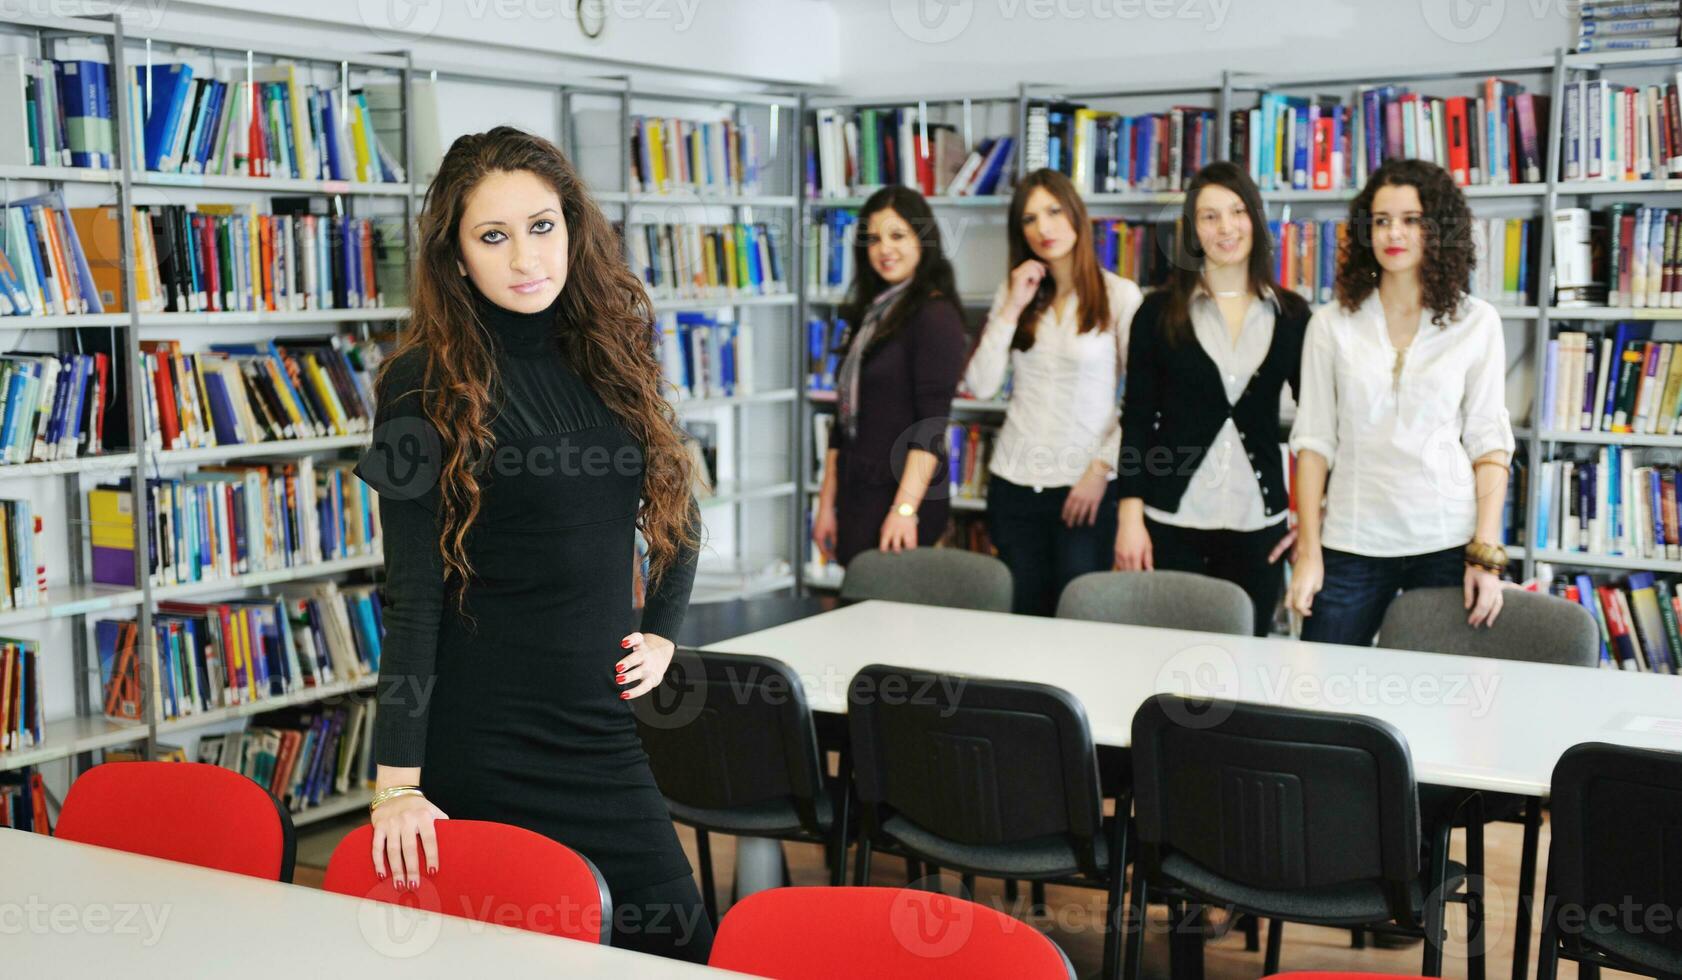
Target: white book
(14, 113)
(1592, 421)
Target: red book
(102, 397)
(169, 422)
(1626, 240)
(1322, 174)
(1459, 161)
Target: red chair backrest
(1337, 975)
(490, 872)
(183, 811)
(812, 933)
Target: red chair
(815, 933)
(490, 872)
(182, 811)
(1335, 975)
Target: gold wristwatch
(906, 510)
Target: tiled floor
(1075, 913)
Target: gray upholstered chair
(1175, 600)
(931, 577)
(1532, 626)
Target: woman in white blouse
(1060, 325)
(1402, 429)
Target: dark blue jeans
(1044, 554)
(1358, 590)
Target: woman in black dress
(521, 443)
(884, 478)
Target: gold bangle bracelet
(391, 793)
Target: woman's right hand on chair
(404, 839)
(1133, 546)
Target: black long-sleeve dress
(512, 711)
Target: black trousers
(1044, 555)
(664, 919)
(1240, 557)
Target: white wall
(901, 47)
(789, 41)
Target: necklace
(1229, 293)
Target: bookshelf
(752, 516)
(71, 607)
(1535, 316)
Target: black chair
(732, 745)
(1533, 627)
(988, 777)
(1616, 855)
(1289, 815)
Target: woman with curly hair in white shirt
(1402, 430)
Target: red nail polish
(625, 643)
(620, 679)
(380, 875)
(624, 695)
(619, 668)
(431, 871)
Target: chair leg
(1358, 939)
(1547, 952)
(709, 892)
(861, 874)
(968, 883)
(1251, 926)
(1275, 941)
(1036, 892)
(1012, 891)
(1185, 946)
(1526, 887)
(1115, 906)
(913, 870)
(1476, 885)
(1436, 903)
(1133, 932)
(838, 867)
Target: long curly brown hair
(603, 324)
(1090, 292)
(1445, 271)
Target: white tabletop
(1470, 722)
(74, 910)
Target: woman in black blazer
(1202, 478)
(901, 357)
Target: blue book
(170, 85)
(79, 101)
(221, 409)
(1586, 597)
(989, 181)
(75, 401)
(16, 385)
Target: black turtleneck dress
(511, 710)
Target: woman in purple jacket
(883, 483)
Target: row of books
(823, 343)
(829, 261)
(54, 405)
(1608, 505)
(23, 801)
(230, 520)
(855, 153)
(1105, 152)
(303, 756)
(1497, 136)
(231, 258)
(705, 355)
(237, 394)
(23, 722)
(44, 269)
(1306, 255)
(689, 155)
(1142, 251)
(276, 126)
(218, 655)
(1627, 255)
(967, 449)
(1637, 619)
(1623, 25)
(697, 261)
(1619, 383)
(23, 555)
(1621, 132)
(62, 109)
